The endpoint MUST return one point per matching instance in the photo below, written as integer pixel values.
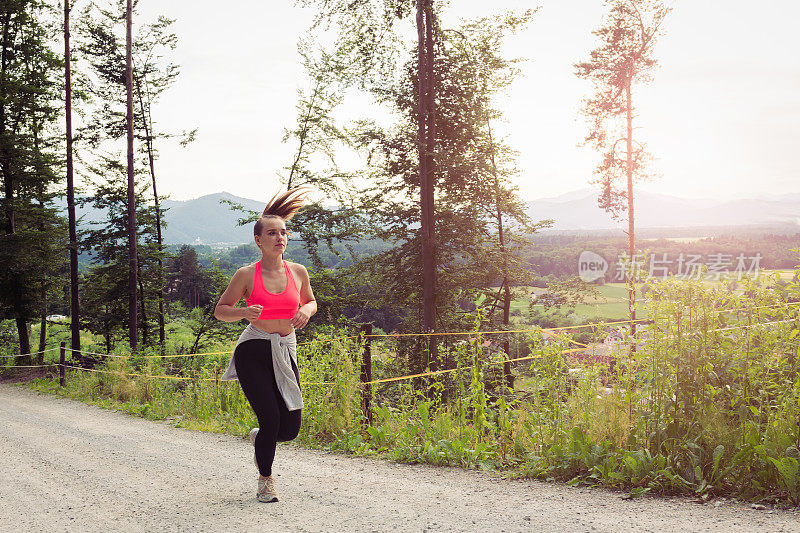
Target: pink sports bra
(276, 306)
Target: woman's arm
(308, 305)
(237, 288)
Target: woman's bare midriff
(282, 326)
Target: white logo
(591, 266)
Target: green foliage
(329, 372)
(789, 469)
(707, 405)
(472, 171)
(105, 287)
(30, 229)
(188, 282)
(622, 59)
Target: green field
(613, 300)
(611, 303)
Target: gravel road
(67, 466)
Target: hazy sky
(722, 114)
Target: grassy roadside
(708, 404)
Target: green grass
(179, 338)
(613, 300)
(612, 303)
(708, 404)
(711, 414)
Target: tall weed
(708, 403)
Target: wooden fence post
(62, 367)
(509, 377)
(366, 373)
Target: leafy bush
(707, 403)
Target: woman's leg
(253, 362)
(290, 420)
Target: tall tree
(106, 82)
(623, 58)
(28, 91)
(46, 253)
(133, 321)
(426, 148)
(368, 44)
(73, 234)
(471, 179)
(438, 149)
(106, 288)
(153, 75)
(479, 41)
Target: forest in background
(378, 251)
(120, 260)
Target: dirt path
(70, 467)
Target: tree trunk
(159, 241)
(107, 336)
(504, 258)
(24, 340)
(145, 325)
(631, 234)
(107, 328)
(201, 329)
(42, 325)
(425, 140)
(74, 305)
(429, 169)
(133, 331)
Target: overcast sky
(722, 114)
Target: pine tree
(151, 74)
(28, 165)
(623, 58)
(474, 197)
(187, 281)
(133, 267)
(106, 287)
(72, 221)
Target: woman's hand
(252, 312)
(300, 319)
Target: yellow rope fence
(548, 331)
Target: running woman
(279, 300)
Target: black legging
(253, 360)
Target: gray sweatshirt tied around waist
(284, 351)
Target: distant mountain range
(205, 220)
(578, 210)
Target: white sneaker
(253, 433)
